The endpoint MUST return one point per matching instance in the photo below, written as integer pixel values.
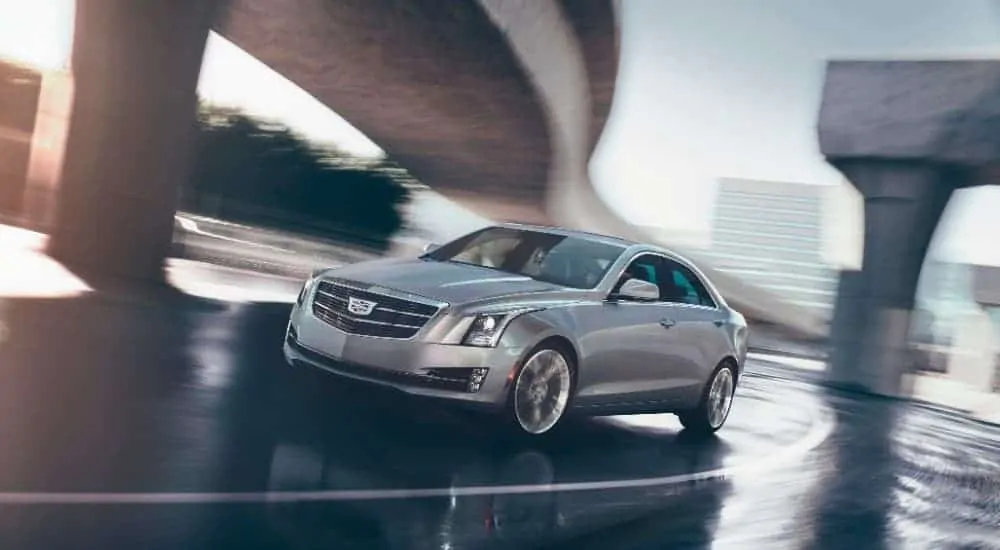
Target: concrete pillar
(135, 71)
(19, 88)
(903, 202)
(843, 369)
(48, 145)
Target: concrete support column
(48, 145)
(845, 330)
(903, 202)
(135, 71)
(19, 89)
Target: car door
(628, 346)
(699, 336)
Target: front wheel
(716, 401)
(541, 392)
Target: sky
(37, 32)
(705, 92)
(230, 76)
(709, 89)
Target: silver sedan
(533, 322)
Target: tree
(257, 171)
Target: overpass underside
(524, 90)
(497, 104)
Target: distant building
(34, 120)
(771, 234)
(19, 93)
(986, 290)
(946, 289)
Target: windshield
(576, 262)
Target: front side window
(576, 262)
(678, 284)
(645, 267)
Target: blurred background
(709, 146)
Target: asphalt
(173, 422)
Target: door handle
(667, 323)
(718, 322)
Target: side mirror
(639, 290)
(431, 247)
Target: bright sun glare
(38, 33)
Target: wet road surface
(174, 423)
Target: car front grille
(391, 317)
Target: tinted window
(576, 262)
(688, 289)
(677, 283)
(646, 267)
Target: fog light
(476, 378)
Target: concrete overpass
(907, 134)
(497, 104)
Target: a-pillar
(904, 201)
(135, 71)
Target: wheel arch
(550, 339)
(548, 326)
(563, 344)
(733, 362)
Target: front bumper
(428, 369)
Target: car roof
(632, 248)
(572, 233)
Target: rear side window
(687, 287)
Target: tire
(715, 404)
(541, 392)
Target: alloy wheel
(541, 391)
(720, 397)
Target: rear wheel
(541, 391)
(716, 402)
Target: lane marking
(815, 365)
(821, 427)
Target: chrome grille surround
(396, 315)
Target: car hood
(450, 282)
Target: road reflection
(455, 452)
(108, 398)
(119, 396)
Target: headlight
(307, 287)
(487, 328)
(304, 291)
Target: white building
(771, 234)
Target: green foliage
(245, 165)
